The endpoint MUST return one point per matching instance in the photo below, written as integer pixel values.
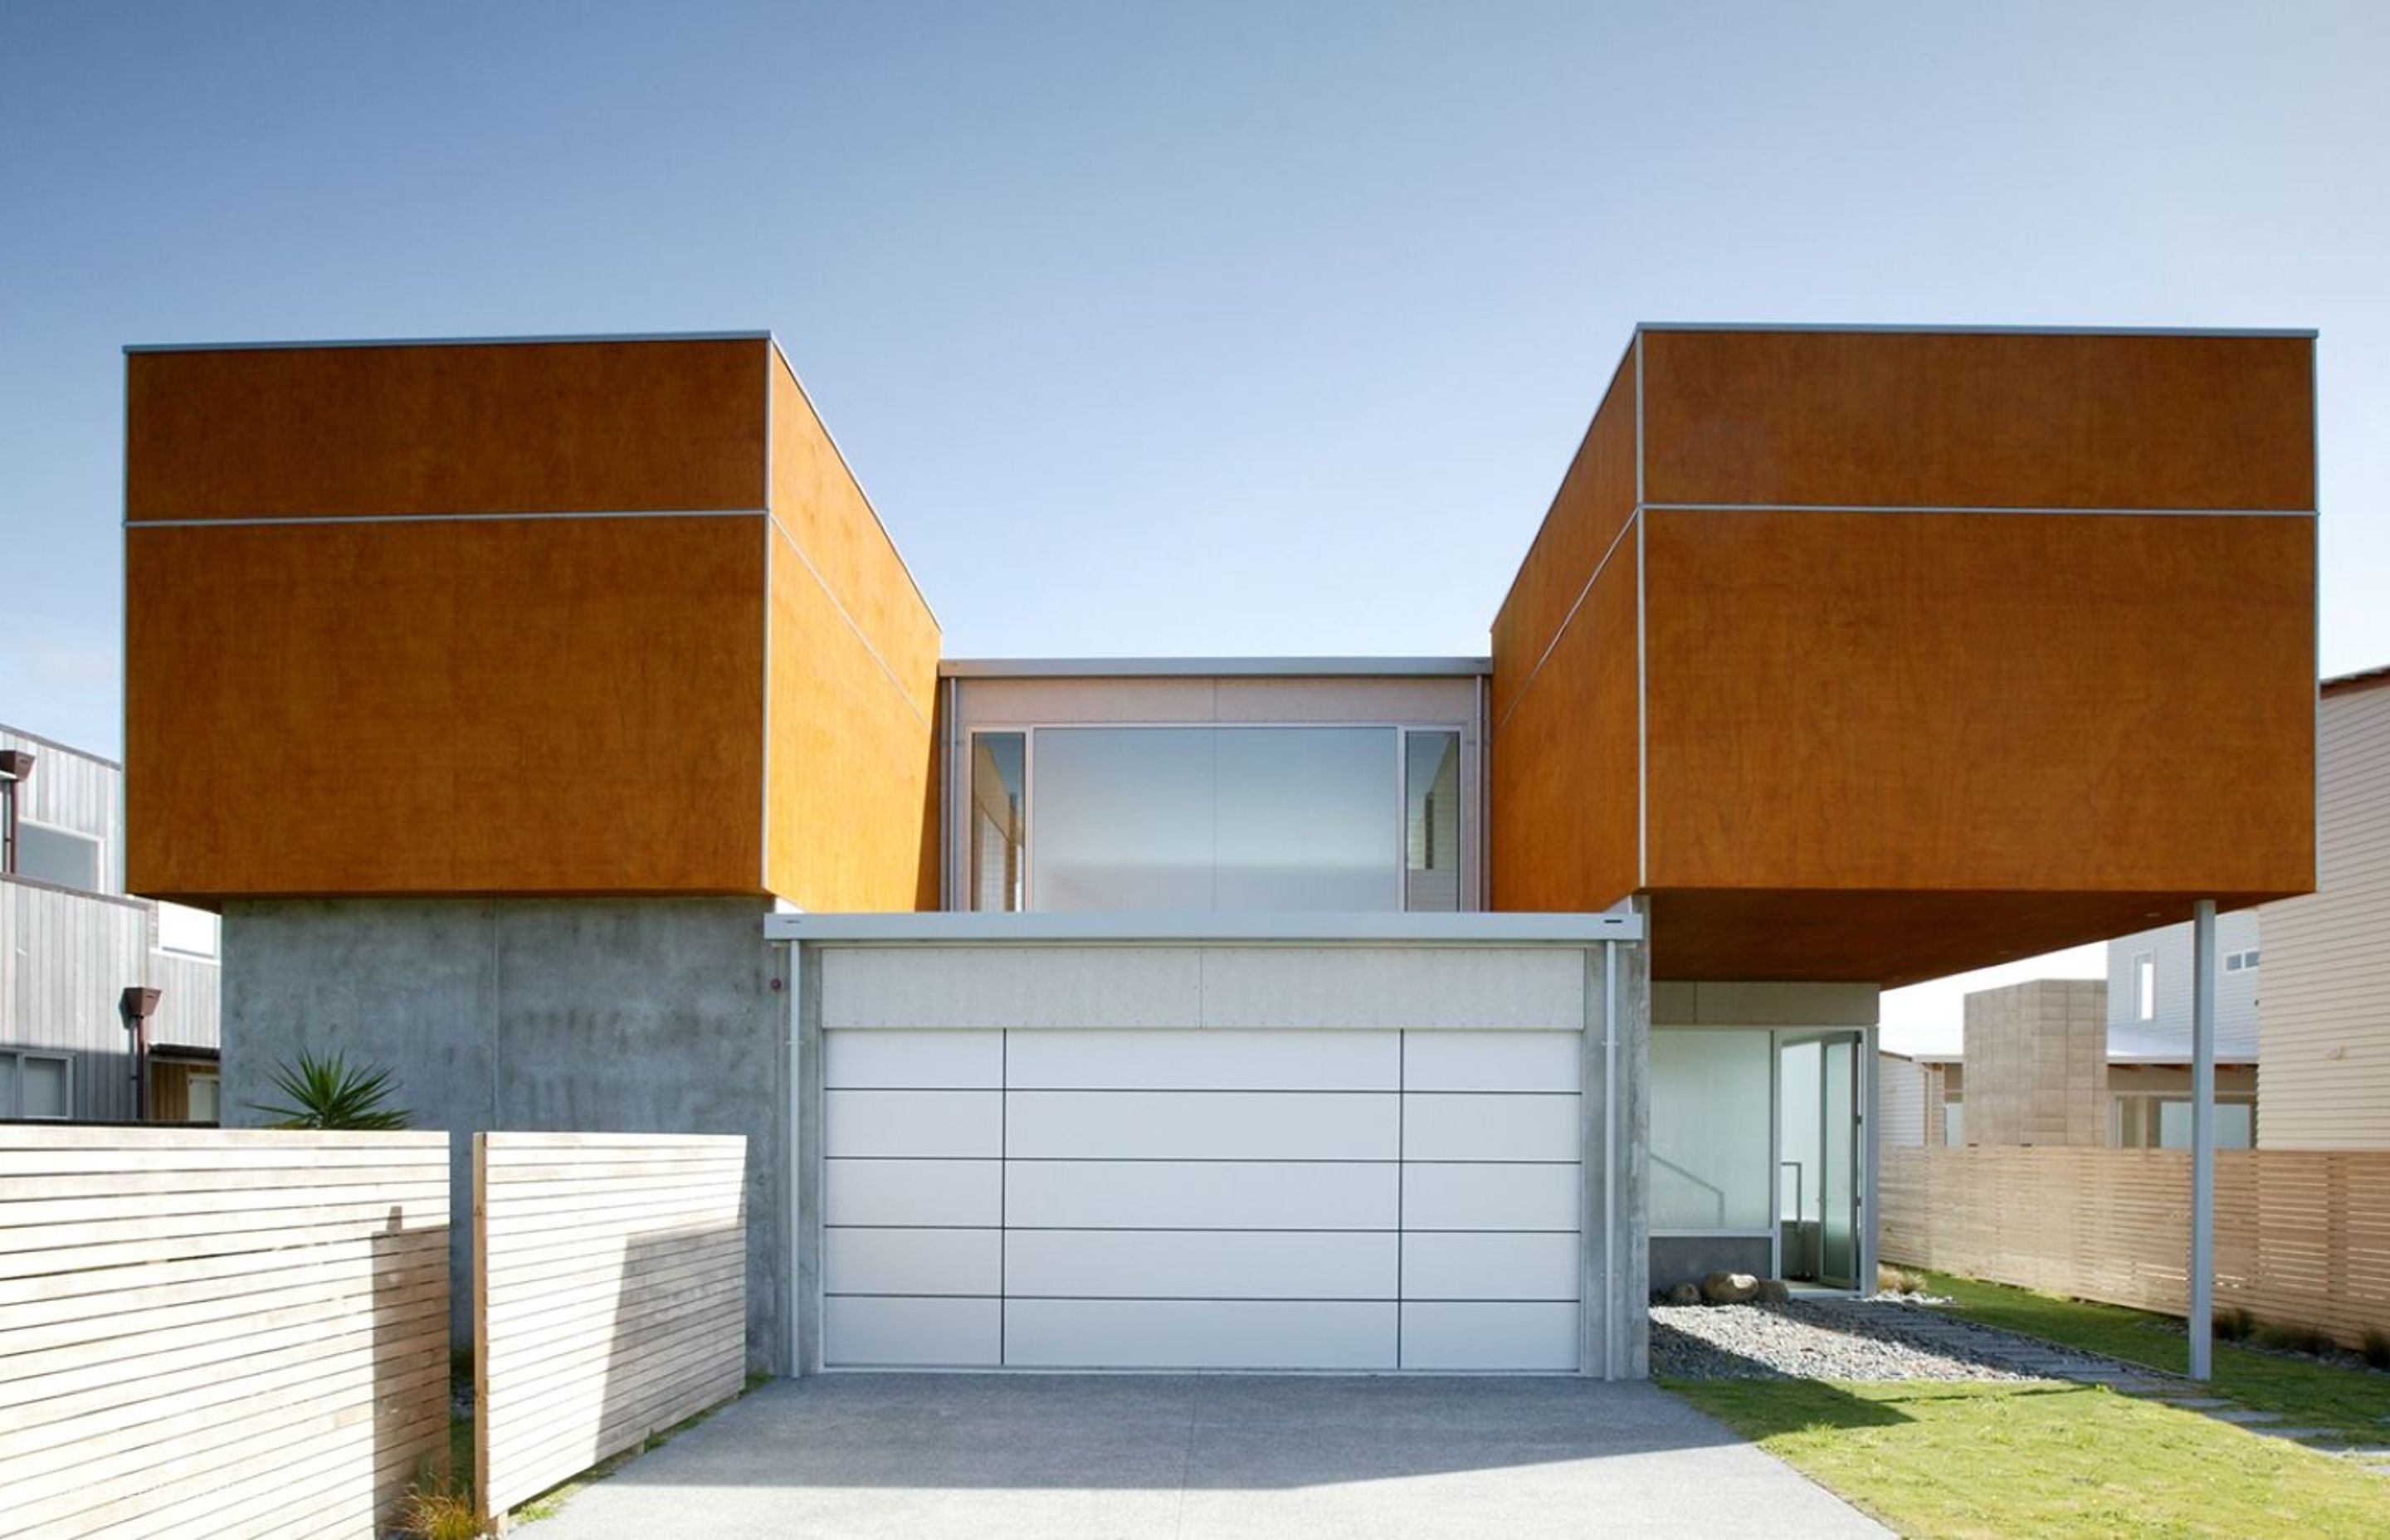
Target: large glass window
(1250, 818)
(1711, 1164)
(998, 801)
(1431, 820)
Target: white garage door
(1121, 1198)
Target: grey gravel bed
(1824, 1339)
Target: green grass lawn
(2043, 1459)
(2351, 1400)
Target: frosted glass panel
(1122, 819)
(1128, 818)
(1306, 819)
(1710, 1158)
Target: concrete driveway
(1057, 1456)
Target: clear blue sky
(1190, 328)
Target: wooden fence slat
(222, 1332)
(2302, 1237)
(609, 1297)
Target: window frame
(66, 1079)
(958, 794)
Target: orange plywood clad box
(1879, 654)
(597, 617)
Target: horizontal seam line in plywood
(1974, 508)
(836, 603)
(474, 517)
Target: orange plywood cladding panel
(1593, 506)
(486, 428)
(853, 687)
(445, 707)
(1839, 713)
(514, 619)
(2023, 702)
(1565, 770)
(1861, 419)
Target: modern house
(1297, 1013)
(107, 1002)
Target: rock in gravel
(1775, 1291)
(1730, 1288)
(1685, 1293)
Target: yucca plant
(330, 1093)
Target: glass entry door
(1818, 1176)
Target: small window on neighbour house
(58, 856)
(2145, 986)
(36, 1085)
(204, 1104)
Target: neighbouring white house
(108, 1001)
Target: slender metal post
(2202, 1137)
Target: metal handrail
(1718, 1192)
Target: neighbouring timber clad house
(1350, 1013)
(108, 1001)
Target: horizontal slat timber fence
(222, 1333)
(2302, 1237)
(610, 1297)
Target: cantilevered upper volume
(1879, 654)
(566, 617)
(1865, 654)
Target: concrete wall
(593, 1015)
(2037, 1063)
